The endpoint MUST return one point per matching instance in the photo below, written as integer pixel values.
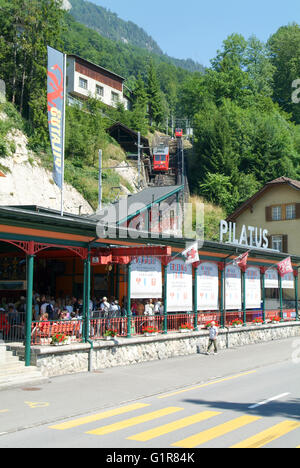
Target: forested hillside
(246, 124)
(110, 26)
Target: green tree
(139, 112)
(154, 96)
(284, 48)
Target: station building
(40, 249)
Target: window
(83, 83)
(276, 213)
(114, 97)
(99, 90)
(290, 212)
(277, 243)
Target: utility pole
(139, 159)
(100, 181)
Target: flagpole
(63, 142)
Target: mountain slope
(110, 26)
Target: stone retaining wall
(56, 361)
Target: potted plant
(110, 334)
(236, 323)
(275, 320)
(258, 321)
(185, 327)
(60, 339)
(150, 331)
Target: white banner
(146, 278)
(180, 287)
(288, 281)
(208, 286)
(271, 279)
(233, 288)
(253, 288)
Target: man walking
(213, 337)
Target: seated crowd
(46, 308)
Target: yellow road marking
(265, 437)
(214, 432)
(98, 417)
(207, 384)
(174, 426)
(134, 421)
(33, 404)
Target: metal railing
(12, 328)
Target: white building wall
(74, 87)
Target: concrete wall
(56, 361)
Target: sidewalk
(75, 395)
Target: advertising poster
(288, 281)
(233, 288)
(271, 279)
(180, 287)
(208, 286)
(253, 288)
(146, 278)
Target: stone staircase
(13, 372)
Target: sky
(196, 28)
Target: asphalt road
(245, 397)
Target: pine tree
(139, 111)
(154, 96)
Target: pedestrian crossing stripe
(98, 417)
(265, 437)
(173, 426)
(214, 432)
(134, 421)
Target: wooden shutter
(297, 210)
(268, 213)
(285, 246)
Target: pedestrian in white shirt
(213, 338)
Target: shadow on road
(285, 409)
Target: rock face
(28, 183)
(66, 5)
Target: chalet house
(276, 207)
(85, 79)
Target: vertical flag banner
(56, 111)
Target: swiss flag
(242, 260)
(285, 266)
(191, 253)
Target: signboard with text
(180, 287)
(233, 288)
(146, 278)
(253, 288)
(208, 286)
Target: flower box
(186, 327)
(258, 321)
(60, 340)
